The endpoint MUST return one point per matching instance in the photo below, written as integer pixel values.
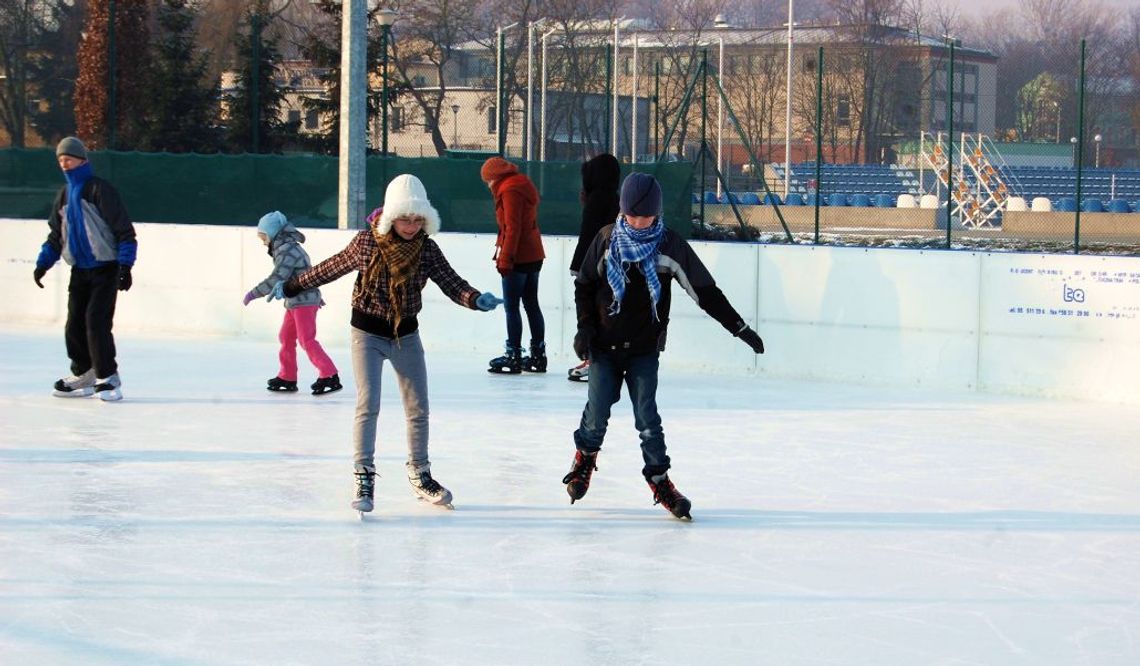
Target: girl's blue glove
(487, 301)
(278, 292)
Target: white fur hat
(406, 196)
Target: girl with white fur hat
(394, 258)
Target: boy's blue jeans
(607, 370)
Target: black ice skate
(75, 386)
(279, 385)
(326, 385)
(580, 372)
(667, 495)
(427, 488)
(578, 479)
(109, 389)
(536, 362)
(510, 363)
(365, 486)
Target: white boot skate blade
(84, 392)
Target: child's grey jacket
(289, 259)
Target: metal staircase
(979, 192)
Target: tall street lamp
(500, 96)
(353, 116)
(1073, 140)
(387, 17)
(1098, 138)
(788, 106)
(454, 125)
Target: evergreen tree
(53, 69)
(321, 47)
(254, 106)
(182, 116)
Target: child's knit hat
(406, 196)
(640, 195)
(271, 224)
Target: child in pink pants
(300, 323)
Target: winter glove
(249, 296)
(751, 338)
(582, 343)
(487, 301)
(278, 292)
(38, 275)
(124, 277)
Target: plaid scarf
(399, 259)
(634, 246)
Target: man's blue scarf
(634, 246)
(76, 228)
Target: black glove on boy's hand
(582, 343)
(125, 277)
(751, 338)
(38, 275)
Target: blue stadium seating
(1118, 206)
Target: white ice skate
(427, 488)
(109, 389)
(75, 386)
(365, 487)
(580, 372)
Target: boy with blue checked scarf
(622, 296)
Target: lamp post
(542, 118)
(500, 97)
(386, 17)
(1073, 140)
(353, 85)
(529, 125)
(788, 106)
(1098, 138)
(454, 125)
(1057, 110)
(112, 114)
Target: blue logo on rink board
(1072, 295)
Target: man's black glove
(582, 343)
(125, 281)
(752, 339)
(38, 275)
(291, 288)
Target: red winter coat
(516, 211)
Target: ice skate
(510, 363)
(109, 389)
(75, 386)
(577, 480)
(667, 495)
(278, 385)
(426, 488)
(580, 372)
(365, 486)
(326, 385)
(536, 362)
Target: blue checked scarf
(633, 246)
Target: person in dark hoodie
(622, 299)
(518, 259)
(601, 176)
(90, 229)
(300, 323)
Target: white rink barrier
(1054, 325)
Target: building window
(396, 119)
(843, 112)
(294, 117)
(491, 120)
(809, 64)
(418, 81)
(312, 120)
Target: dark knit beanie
(71, 146)
(641, 195)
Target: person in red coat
(518, 259)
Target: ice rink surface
(204, 520)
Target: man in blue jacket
(90, 229)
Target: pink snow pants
(300, 326)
